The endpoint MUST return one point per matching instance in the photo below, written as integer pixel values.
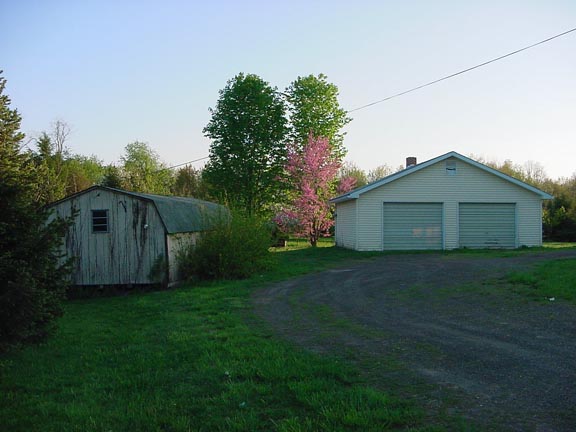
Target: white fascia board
(355, 194)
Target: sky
(121, 71)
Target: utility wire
(431, 82)
(185, 163)
(462, 71)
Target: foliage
(345, 185)
(112, 177)
(247, 153)
(142, 170)
(32, 278)
(50, 165)
(380, 172)
(559, 217)
(235, 248)
(559, 213)
(314, 109)
(83, 172)
(351, 170)
(189, 181)
(313, 171)
(62, 173)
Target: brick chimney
(410, 161)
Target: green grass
(188, 360)
(551, 280)
(195, 359)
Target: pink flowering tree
(313, 171)
(346, 184)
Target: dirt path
(410, 323)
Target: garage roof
(355, 194)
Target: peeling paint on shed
(138, 234)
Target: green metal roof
(181, 214)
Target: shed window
(99, 221)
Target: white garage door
(487, 225)
(412, 226)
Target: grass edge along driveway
(188, 359)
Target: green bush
(236, 247)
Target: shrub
(235, 248)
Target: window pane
(99, 220)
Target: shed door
(411, 226)
(487, 225)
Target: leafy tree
(83, 172)
(112, 177)
(313, 170)
(247, 153)
(380, 172)
(314, 108)
(351, 170)
(32, 277)
(559, 213)
(188, 181)
(142, 170)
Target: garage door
(411, 226)
(487, 225)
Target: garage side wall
(123, 254)
(437, 184)
(346, 224)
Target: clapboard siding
(346, 225)
(126, 253)
(434, 184)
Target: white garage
(445, 203)
(487, 225)
(409, 226)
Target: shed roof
(355, 194)
(179, 214)
(182, 214)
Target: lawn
(190, 359)
(193, 359)
(551, 281)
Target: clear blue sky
(119, 71)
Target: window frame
(99, 224)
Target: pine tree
(32, 276)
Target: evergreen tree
(32, 276)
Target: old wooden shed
(128, 238)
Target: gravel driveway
(413, 324)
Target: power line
(185, 163)
(431, 82)
(462, 71)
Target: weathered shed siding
(434, 184)
(176, 243)
(126, 254)
(346, 225)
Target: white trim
(355, 194)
